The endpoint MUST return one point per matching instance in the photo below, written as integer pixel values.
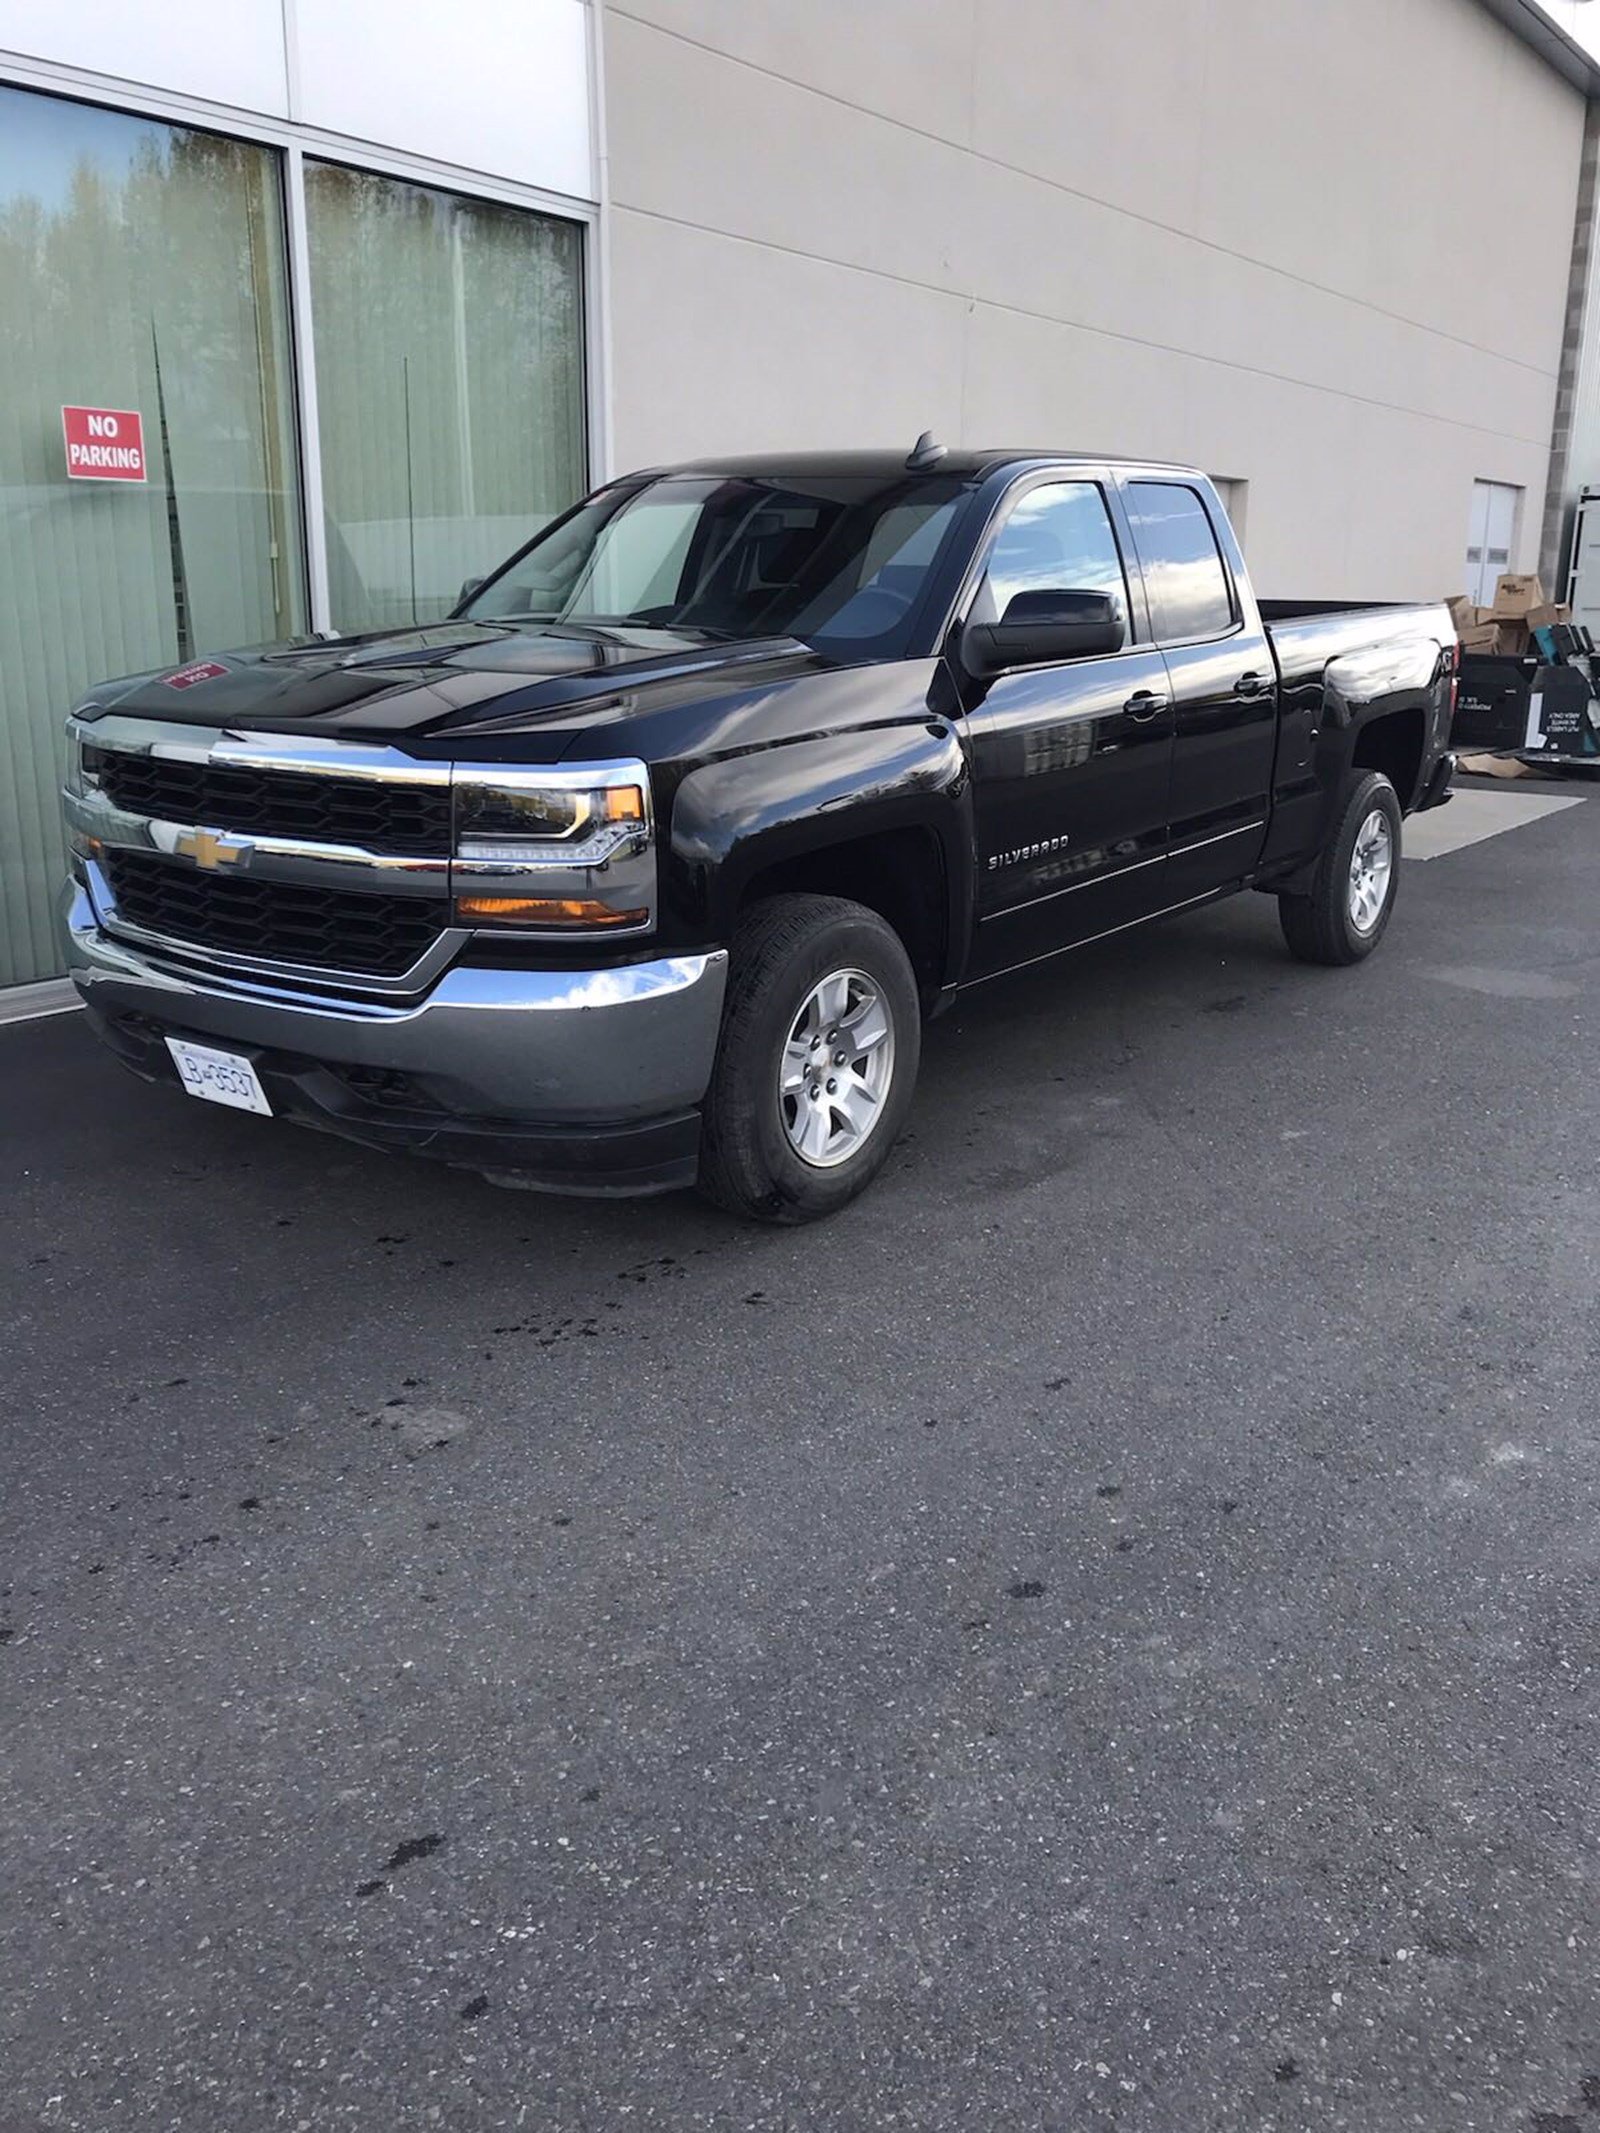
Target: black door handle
(1250, 685)
(1145, 704)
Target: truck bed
(1307, 634)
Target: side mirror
(1039, 628)
(468, 587)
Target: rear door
(1222, 678)
(1071, 762)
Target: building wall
(332, 253)
(476, 86)
(1320, 250)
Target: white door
(1491, 537)
(1584, 584)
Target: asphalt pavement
(1102, 1634)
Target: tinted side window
(1058, 538)
(1183, 568)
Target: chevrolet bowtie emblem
(210, 851)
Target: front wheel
(817, 1062)
(1353, 888)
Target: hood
(419, 684)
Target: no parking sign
(104, 443)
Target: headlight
(554, 850)
(75, 779)
(78, 786)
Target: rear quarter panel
(1337, 674)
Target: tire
(1347, 912)
(800, 966)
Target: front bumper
(574, 1080)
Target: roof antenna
(925, 453)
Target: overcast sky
(1579, 18)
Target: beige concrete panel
(1037, 249)
(1345, 501)
(726, 346)
(1100, 95)
(1493, 145)
(1370, 319)
(909, 59)
(1292, 445)
(1033, 381)
(1031, 246)
(1354, 181)
(1260, 320)
(794, 170)
(697, 138)
(1419, 483)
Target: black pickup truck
(647, 866)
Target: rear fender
(1411, 677)
(1412, 674)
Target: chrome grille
(275, 921)
(377, 814)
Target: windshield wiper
(667, 624)
(606, 628)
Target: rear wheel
(1346, 912)
(817, 1061)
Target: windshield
(837, 561)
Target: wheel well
(899, 874)
(1393, 744)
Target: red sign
(104, 443)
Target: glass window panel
(1058, 538)
(141, 267)
(1183, 570)
(836, 560)
(449, 357)
(638, 565)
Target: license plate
(218, 1077)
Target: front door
(1070, 762)
(1224, 687)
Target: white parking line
(1473, 816)
(26, 1003)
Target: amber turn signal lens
(622, 803)
(543, 911)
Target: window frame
(1141, 479)
(295, 144)
(1060, 474)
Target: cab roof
(890, 466)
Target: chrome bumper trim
(631, 1042)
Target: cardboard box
(1496, 640)
(1462, 613)
(1515, 597)
(1546, 618)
